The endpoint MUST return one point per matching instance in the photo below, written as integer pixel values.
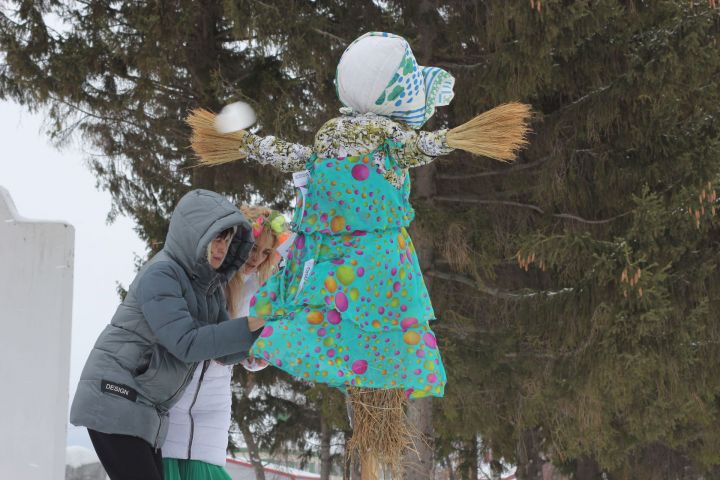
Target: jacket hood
(198, 218)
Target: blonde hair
(236, 285)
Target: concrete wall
(36, 275)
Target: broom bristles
(382, 433)
(498, 133)
(211, 146)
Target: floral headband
(275, 220)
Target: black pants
(127, 458)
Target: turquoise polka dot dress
(351, 308)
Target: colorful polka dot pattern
(359, 316)
(352, 194)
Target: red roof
(288, 475)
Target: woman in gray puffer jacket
(172, 318)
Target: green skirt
(175, 469)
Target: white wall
(36, 276)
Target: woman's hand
(254, 364)
(255, 323)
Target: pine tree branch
(269, 7)
(558, 113)
(569, 216)
(492, 291)
(330, 35)
(171, 89)
(482, 57)
(94, 115)
(507, 171)
(584, 98)
(99, 92)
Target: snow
(271, 468)
(76, 457)
(290, 470)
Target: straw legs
(382, 434)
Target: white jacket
(200, 420)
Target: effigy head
(378, 74)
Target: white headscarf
(378, 73)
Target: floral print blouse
(351, 134)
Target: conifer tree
(578, 288)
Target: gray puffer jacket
(173, 317)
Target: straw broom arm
(215, 148)
(499, 133)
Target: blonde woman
(196, 444)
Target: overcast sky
(48, 184)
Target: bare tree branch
(483, 201)
(591, 222)
(330, 35)
(506, 171)
(467, 66)
(487, 201)
(492, 291)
